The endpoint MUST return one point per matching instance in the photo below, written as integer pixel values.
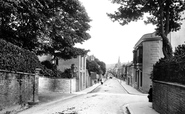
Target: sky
(109, 40)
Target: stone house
(129, 72)
(79, 82)
(80, 68)
(93, 75)
(147, 51)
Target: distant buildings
(118, 69)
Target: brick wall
(168, 98)
(16, 88)
(57, 85)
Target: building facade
(129, 74)
(147, 51)
(80, 67)
(118, 69)
(177, 38)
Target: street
(108, 98)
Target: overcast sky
(109, 40)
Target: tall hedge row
(172, 69)
(14, 58)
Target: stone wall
(58, 85)
(168, 98)
(17, 88)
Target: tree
(48, 65)
(92, 66)
(102, 66)
(45, 26)
(165, 14)
(67, 26)
(96, 66)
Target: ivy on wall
(14, 58)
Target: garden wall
(17, 88)
(58, 85)
(168, 98)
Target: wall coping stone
(7, 71)
(170, 83)
(42, 76)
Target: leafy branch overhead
(165, 14)
(45, 26)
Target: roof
(147, 37)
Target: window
(136, 76)
(140, 54)
(141, 79)
(56, 61)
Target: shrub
(65, 74)
(172, 69)
(14, 58)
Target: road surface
(108, 98)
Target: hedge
(14, 58)
(171, 69)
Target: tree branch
(167, 18)
(167, 48)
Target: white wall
(152, 52)
(178, 38)
(57, 85)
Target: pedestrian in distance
(101, 81)
(150, 94)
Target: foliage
(51, 71)
(45, 26)
(66, 73)
(48, 64)
(165, 14)
(171, 69)
(14, 58)
(179, 50)
(96, 66)
(92, 66)
(102, 66)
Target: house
(94, 77)
(91, 57)
(80, 67)
(123, 71)
(177, 38)
(147, 51)
(129, 74)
